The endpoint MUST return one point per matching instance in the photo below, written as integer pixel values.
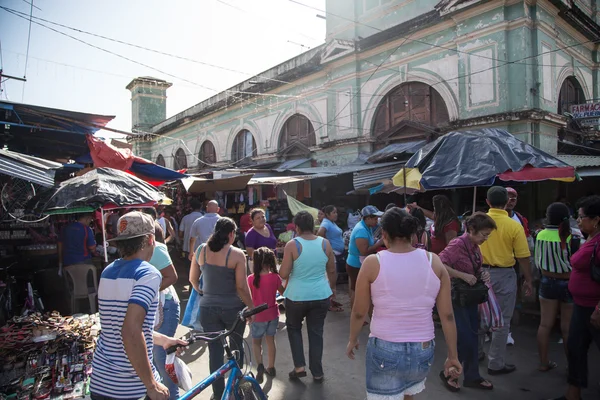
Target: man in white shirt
(185, 227)
(203, 227)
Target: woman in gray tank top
(225, 290)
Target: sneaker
(260, 373)
(510, 341)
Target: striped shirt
(122, 283)
(549, 254)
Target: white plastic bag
(179, 372)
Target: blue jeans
(314, 312)
(395, 368)
(215, 319)
(467, 326)
(168, 328)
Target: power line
(422, 41)
(251, 13)
(207, 64)
(153, 68)
(27, 56)
(25, 1)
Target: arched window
(570, 94)
(297, 128)
(180, 161)
(207, 154)
(160, 160)
(411, 101)
(244, 146)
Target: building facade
(392, 71)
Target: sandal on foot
(334, 308)
(271, 372)
(336, 303)
(548, 367)
(297, 375)
(479, 384)
(447, 381)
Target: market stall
(47, 356)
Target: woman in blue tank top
(309, 267)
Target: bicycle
(238, 386)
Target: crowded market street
(345, 379)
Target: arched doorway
(297, 136)
(180, 161)
(244, 146)
(208, 155)
(570, 94)
(414, 102)
(160, 160)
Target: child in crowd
(264, 284)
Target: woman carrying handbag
(463, 260)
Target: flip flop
(334, 308)
(336, 304)
(479, 384)
(548, 367)
(447, 381)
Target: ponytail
(263, 256)
(564, 231)
(220, 236)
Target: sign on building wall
(588, 110)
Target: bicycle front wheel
(248, 391)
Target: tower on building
(148, 102)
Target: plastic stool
(77, 282)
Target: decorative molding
(337, 48)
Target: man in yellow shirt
(500, 250)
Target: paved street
(345, 379)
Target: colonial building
(392, 71)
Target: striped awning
(31, 169)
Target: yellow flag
(296, 206)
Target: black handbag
(594, 267)
(463, 294)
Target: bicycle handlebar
(242, 315)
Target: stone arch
(203, 137)
(244, 125)
(297, 128)
(396, 80)
(568, 72)
(207, 156)
(180, 160)
(306, 110)
(240, 148)
(160, 160)
(577, 93)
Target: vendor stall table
(47, 357)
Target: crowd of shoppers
(396, 277)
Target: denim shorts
(555, 289)
(397, 369)
(260, 329)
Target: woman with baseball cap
(362, 243)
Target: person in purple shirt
(463, 260)
(261, 234)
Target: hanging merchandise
(250, 196)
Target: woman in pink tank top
(404, 284)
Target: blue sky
(245, 35)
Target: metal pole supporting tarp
(104, 236)
(474, 197)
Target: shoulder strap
(298, 246)
(227, 256)
(198, 254)
(85, 240)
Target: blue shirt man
(77, 243)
